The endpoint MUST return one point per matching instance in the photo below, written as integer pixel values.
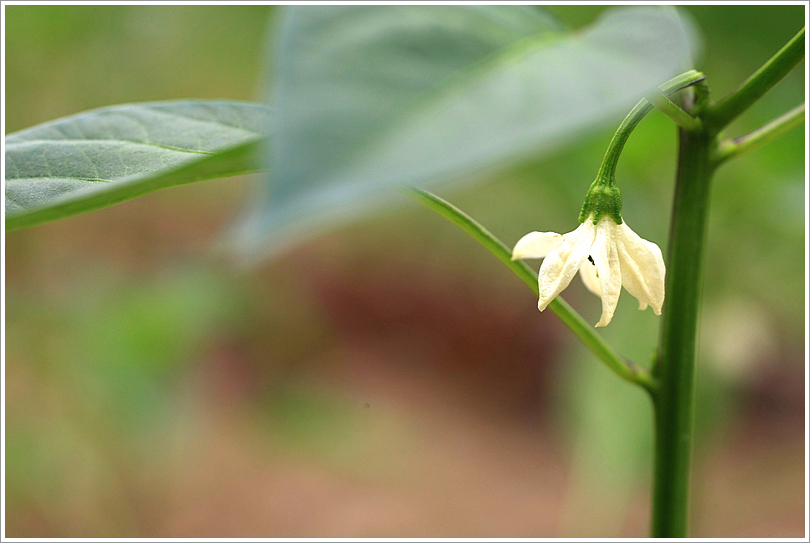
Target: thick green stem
(674, 369)
(675, 366)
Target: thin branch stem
(726, 110)
(759, 137)
(614, 361)
(672, 110)
(608, 168)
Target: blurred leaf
(105, 156)
(371, 96)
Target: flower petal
(561, 264)
(642, 268)
(536, 245)
(606, 259)
(587, 272)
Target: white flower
(618, 257)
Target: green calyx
(603, 199)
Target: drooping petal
(606, 259)
(536, 245)
(642, 268)
(561, 264)
(590, 278)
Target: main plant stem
(675, 367)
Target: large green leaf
(372, 96)
(102, 157)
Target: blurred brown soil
(422, 407)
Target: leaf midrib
(56, 177)
(109, 141)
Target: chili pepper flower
(607, 255)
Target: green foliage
(370, 97)
(105, 156)
(404, 95)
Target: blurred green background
(389, 378)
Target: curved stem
(752, 89)
(765, 134)
(614, 361)
(608, 168)
(603, 196)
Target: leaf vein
(120, 142)
(88, 179)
